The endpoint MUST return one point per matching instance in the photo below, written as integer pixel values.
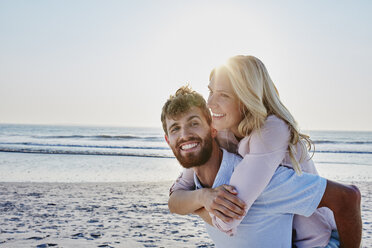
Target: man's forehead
(193, 112)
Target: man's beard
(195, 159)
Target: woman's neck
(236, 134)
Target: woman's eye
(194, 124)
(224, 95)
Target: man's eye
(175, 129)
(224, 95)
(194, 124)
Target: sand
(108, 215)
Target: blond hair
(256, 91)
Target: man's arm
(344, 201)
(185, 201)
(203, 213)
(221, 201)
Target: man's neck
(207, 172)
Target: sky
(114, 63)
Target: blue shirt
(268, 222)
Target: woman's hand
(223, 203)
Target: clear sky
(116, 62)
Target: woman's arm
(262, 153)
(185, 181)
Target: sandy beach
(131, 214)
(94, 215)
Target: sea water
(41, 153)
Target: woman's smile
(224, 104)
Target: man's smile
(189, 146)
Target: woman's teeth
(218, 115)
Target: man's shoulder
(230, 159)
(286, 179)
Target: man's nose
(185, 133)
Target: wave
(101, 153)
(343, 142)
(161, 138)
(114, 150)
(85, 146)
(353, 152)
(103, 136)
(340, 162)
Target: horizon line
(157, 127)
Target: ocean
(75, 186)
(45, 153)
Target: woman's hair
(256, 91)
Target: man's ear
(166, 138)
(213, 132)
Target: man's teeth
(218, 115)
(189, 146)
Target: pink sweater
(262, 153)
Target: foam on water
(100, 154)
(24, 167)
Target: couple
(246, 178)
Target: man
(268, 223)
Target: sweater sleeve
(262, 153)
(185, 181)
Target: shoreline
(117, 214)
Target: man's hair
(181, 102)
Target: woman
(252, 121)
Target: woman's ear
(243, 110)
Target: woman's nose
(210, 101)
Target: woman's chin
(219, 126)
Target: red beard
(197, 158)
